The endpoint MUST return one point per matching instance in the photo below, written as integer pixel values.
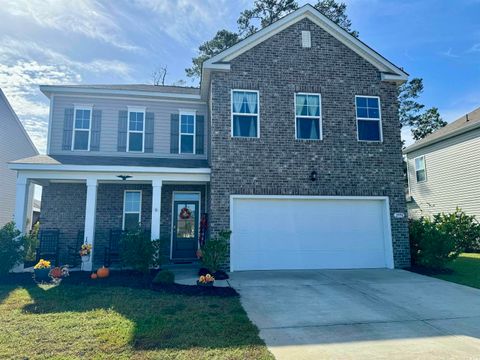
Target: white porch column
(156, 208)
(90, 212)
(21, 203)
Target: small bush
(431, 246)
(139, 252)
(215, 251)
(31, 243)
(464, 229)
(164, 277)
(12, 247)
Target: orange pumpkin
(103, 272)
(93, 276)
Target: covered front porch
(95, 207)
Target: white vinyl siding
(109, 133)
(453, 173)
(82, 126)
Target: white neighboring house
(444, 169)
(14, 143)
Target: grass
(82, 322)
(465, 270)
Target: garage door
(277, 232)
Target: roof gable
(390, 72)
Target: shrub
(464, 228)
(138, 251)
(12, 249)
(164, 277)
(31, 243)
(215, 251)
(430, 246)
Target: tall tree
(263, 13)
(222, 40)
(427, 123)
(337, 12)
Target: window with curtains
(132, 209)
(136, 128)
(81, 128)
(245, 113)
(187, 132)
(308, 116)
(369, 123)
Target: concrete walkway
(361, 314)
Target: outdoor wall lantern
(313, 175)
(124, 177)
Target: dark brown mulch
(125, 278)
(428, 271)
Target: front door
(185, 229)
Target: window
(132, 209)
(420, 169)
(187, 133)
(308, 116)
(136, 128)
(81, 128)
(245, 113)
(369, 127)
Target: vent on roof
(306, 39)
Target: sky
(97, 42)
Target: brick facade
(63, 208)
(278, 164)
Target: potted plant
(85, 252)
(42, 271)
(206, 280)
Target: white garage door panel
(307, 234)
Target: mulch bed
(422, 270)
(125, 278)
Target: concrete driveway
(361, 314)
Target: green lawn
(466, 270)
(82, 322)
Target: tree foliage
(262, 14)
(427, 123)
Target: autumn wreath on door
(185, 213)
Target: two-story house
(292, 141)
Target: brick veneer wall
(278, 164)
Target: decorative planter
(209, 284)
(85, 258)
(41, 275)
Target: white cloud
(475, 48)
(86, 17)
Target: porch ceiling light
(124, 177)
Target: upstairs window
(82, 123)
(308, 116)
(420, 171)
(369, 123)
(187, 132)
(132, 209)
(245, 122)
(136, 129)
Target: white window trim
(320, 120)
(379, 119)
(232, 114)
(131, 212)
(74, 129)
(417, 170)
(135, 109)
(187, 112)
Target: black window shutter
(200, 134)
(96, 130)
(122, 130)
(174, 118)
(149, 125)
(67, 129)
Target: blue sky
(85, 41)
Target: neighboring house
(14, 143)
(292, 141)
(444, 169)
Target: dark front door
(185, 229)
